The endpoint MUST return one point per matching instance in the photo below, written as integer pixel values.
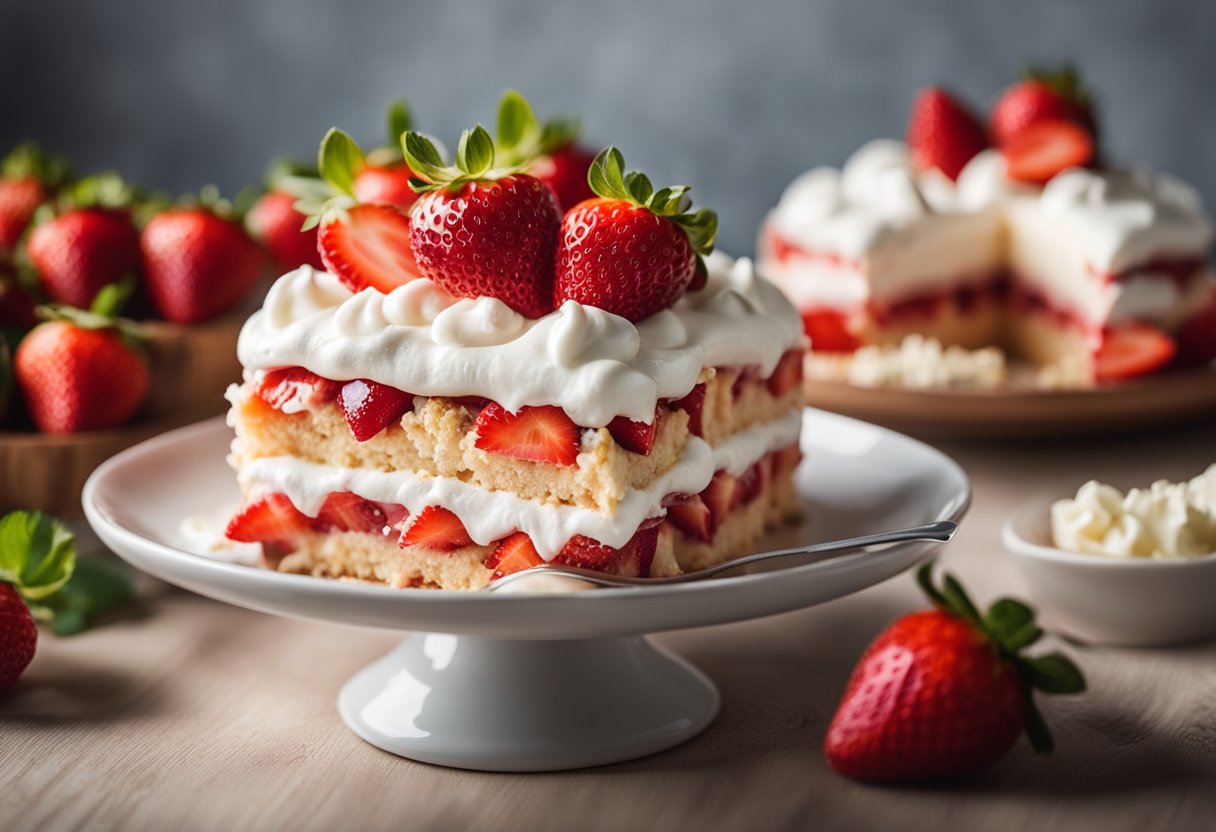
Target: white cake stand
(533, 682)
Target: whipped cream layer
(1165, 520)
(591, 363)
(492, 515)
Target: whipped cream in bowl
(1134, 568)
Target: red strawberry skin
(369, 247)
(491, 238)
(275, 223)
(929, 699)
(370, 407)
(75, 379)
(388, 184)
(942, 133)
(19, 198)
(565, 172)
(538, 434)
(18, 636)
(82, 250)
(197, 265)
(622, 258)
(1029, 102)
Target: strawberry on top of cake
(480, 384)
(1015, 235)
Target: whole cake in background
(1016, 239)
(477, 384)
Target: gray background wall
(732, 97)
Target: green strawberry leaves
(1066, 81)
(31, 160)
(96, 587)
(338, 160)
(37, 553)
(399, 121)
(519, 137)
(475, 161)
(608, 179)
(1010, 626)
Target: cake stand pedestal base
(498, 705)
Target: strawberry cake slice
(483, 385)
(1088, 273)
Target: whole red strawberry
(275, 223)
(480, 231)
(79, 373)
(18, 635)
(943, 692)
(634, 251)
(28, 177)
(384, 177)
(565, 172)
(82, 250)
(197, 264)
(942, 132)
(1041, 95)
(16, 304)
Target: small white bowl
(1131, 602)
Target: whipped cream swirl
(591, 363)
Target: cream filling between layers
(492, 515)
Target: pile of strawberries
(1042, 125)
(490, 225)
(73, 252)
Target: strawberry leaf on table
(95, 587)
(37, 553)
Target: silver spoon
(939, 532)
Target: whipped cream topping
(492, 515)
(1165, 520)
(919, 363)
(591, 363)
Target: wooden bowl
(191, 367)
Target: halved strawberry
(293, 389)
(692, 517)
(787, 375)
(370, 246)
(513, 554)
(638, 555)
(1046, 148)
(348, 512)
(539, 434)
(436, 528)
(1132, 350)
(271, 519)
(587, 553)
(750, 484)
(786, 459)
(370, 407)
(828, 332)
(694, 405)
(721, 495)
(943, 133)
(637, 437)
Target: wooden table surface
(198, 715)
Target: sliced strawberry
(750, 484)
(828, 332)
(539, 434)
(693, 518)
(1197, 337)
(436, 528)
(294, 389)
(389, 184)
(271, 519)
(788, 374)
(1133, 350)
(587, 553)
(370, 247)
(942, 132)
(638, 554)
(1046, 148)
(637, 437)
(370, 407)
(349, 512)
(720, 496)
(694, 405)
(513, 554)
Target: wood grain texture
(197, 715)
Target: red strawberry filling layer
(273, 521)
(539, 434)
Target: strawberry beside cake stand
(533, 682)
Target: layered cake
(1087, 272)
(484, 385)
